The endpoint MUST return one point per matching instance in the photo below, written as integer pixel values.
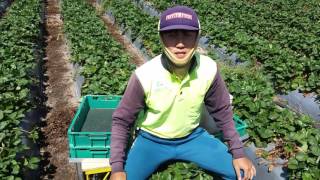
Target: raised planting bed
(19, 36)
(268, 33)
(253, 92)
(104, 63)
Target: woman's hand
(246, 165)
(118, 176)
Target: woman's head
(179, 30)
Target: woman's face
(179, 42)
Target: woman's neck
(181, 72)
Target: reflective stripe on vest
(174, 106)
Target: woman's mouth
(180, 54)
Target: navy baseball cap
(179, 17)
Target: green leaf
(10, 177)
(294, 85)
(3, 124)
(1, 115)
(16, 142)
(2, 136)
(23, 93)
(34, 160)
(265, 133)
(301, 156)
(304, 147)
(32, 166)
(292, 163)
(291, 128)
(307, 176)
(25, 162)
(15, 169)
(315, 150)
(32, 163)
(273, 116)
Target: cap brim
(176, 27)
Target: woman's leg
(145, 156)
(208, 153)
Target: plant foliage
(140, 24)
(19, 32)
(269, 123)
(259, 32)
(282, 35)
(105, 65)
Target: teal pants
(148, 152)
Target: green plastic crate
(90, 131)
(89, 152)
(240, 126)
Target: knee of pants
(136, 174)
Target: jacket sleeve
(217, 101)
(123, 119)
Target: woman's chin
(180, 56)
(180, 62)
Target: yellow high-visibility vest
(174, 106)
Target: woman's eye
(188, 33)
(172, 34)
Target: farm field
(53, 52)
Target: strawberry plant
(181, 170)
(226, 24)
(272, 33)
(105, 64)
(19, 32)
(139, 23)
(300, 140)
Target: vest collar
(194, 62)
(191, 72)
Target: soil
(60, 92)
(61, 102)
(136, 56)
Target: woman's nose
(180, 44)
(180, 39)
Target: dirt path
(60, 93)
(61, 101)
(136, 56)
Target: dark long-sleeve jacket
(216, 100)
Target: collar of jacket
(165, 60)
